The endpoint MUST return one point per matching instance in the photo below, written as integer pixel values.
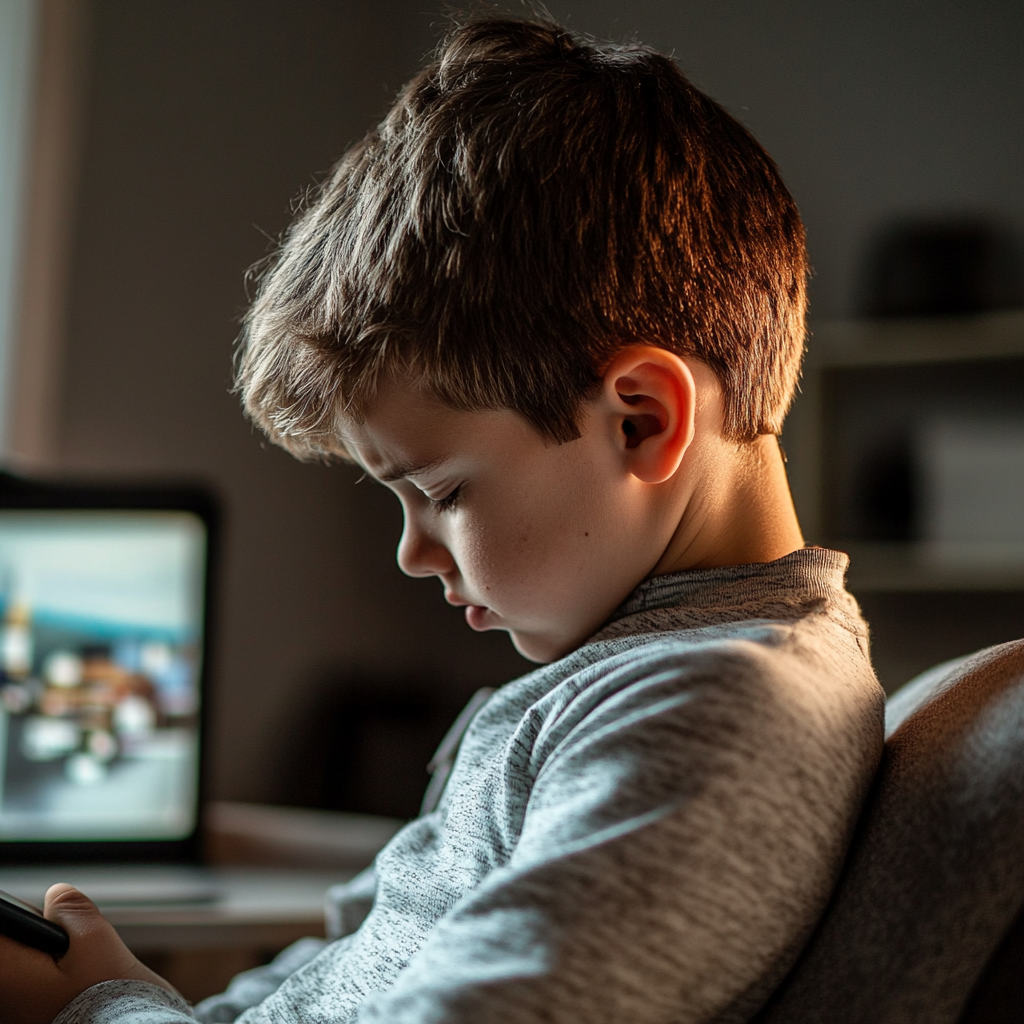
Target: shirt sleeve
(139, 1002)
(345, 907)
(253, 986)
(680, 840)
(347, 904)
(126, 1002)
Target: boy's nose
(420, 554)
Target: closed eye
(448, 502)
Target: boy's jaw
(540, 541)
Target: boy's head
(546, 241)
(532, 204)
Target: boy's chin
(541, 650)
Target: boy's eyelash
(448, 502)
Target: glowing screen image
(100, 631)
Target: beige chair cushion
(935, 875)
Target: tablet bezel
(20, 494)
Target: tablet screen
(101, 617)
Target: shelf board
(902, 567)
(902, 341)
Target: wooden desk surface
(269, 870)
(258, 907)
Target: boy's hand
(34, 987)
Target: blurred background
(150, 152)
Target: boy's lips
(476, 614)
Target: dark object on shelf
(942, 268)
(888, 493)
(24, 923)
(874, 484)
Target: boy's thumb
(97, 949)
(71, 909)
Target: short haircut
(532, 203)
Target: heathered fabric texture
(646, 830)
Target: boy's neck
(741, 512)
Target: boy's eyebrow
(400, 470)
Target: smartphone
(24, 923)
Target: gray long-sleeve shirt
(644, 831)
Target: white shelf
(905, 341)
(881, 568)
(894, 342)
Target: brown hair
(532, 203)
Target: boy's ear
(652, 397)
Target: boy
(556, 304)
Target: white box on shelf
(972, 484)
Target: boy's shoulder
(752, 661)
